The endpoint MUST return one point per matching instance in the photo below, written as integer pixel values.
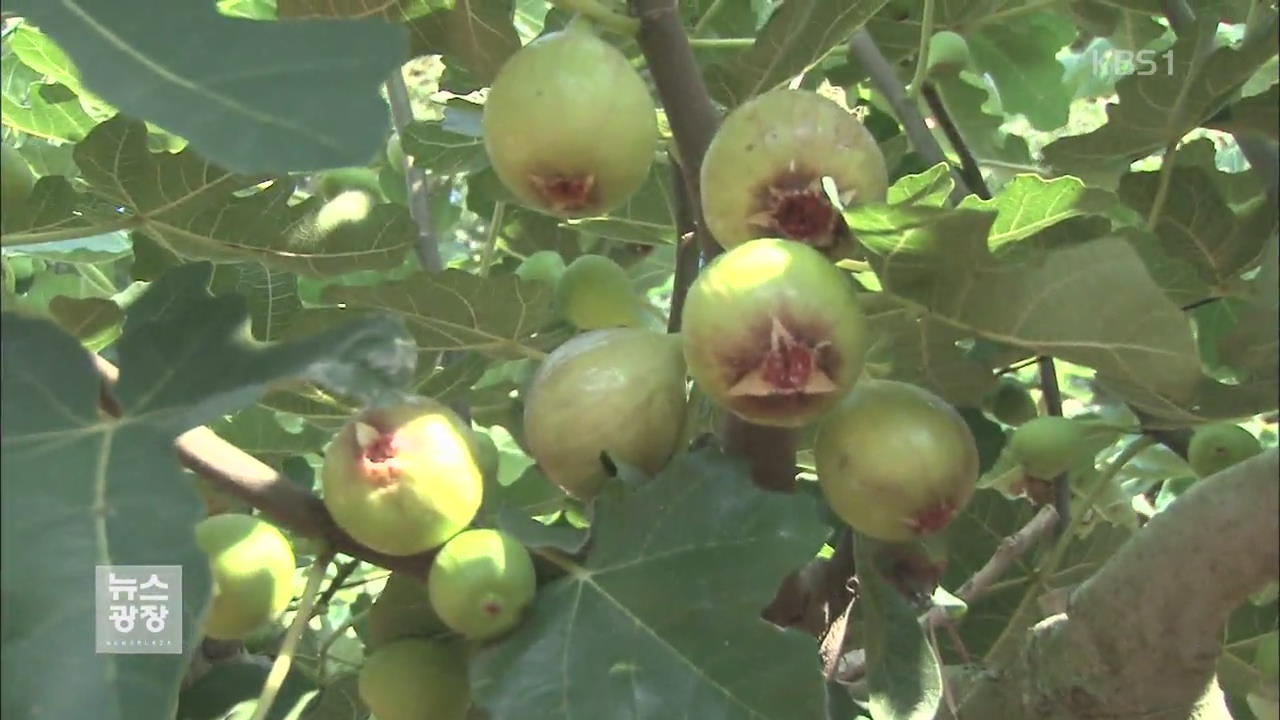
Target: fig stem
(491, 237)
(601, 15)
(922, 56)
(280, 668)
(559, 559)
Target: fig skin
(402, 610)
(595, 293)
(765, 293)
(948, 53)
(895, 461)
(1218, 446)
(619, 391)
(417, 679)
(569, 125)
(1047, 446)
(1011, 404)
(346, 208)
(762, 173)
(481, 582)
(544, 266)
(253, 573)
(332, 183)
(403, 479)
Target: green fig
(595, 292)
(16, 177)
(1218, 446)
(395, 153)
(417, 679)
(481, 582)
(347, 208)
(1047, 446)
(253, 573)
(774, 332)
(403, 479)
(1010, 403)
(333, 183)
(402, 610)
(895, 461)
(544, 266)
(948, 53)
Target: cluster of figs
(772, 331)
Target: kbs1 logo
(1116, 62)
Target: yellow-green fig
(332, 183)
(481, 582)
(1047, 446)
(619, 391)
(417, 679)
(544, 266)
(948, 53)
(1219, 446)
(774, 332)
(595, 292)
(895, 461)
(403, 479)
(569, 125)
(402, 610)
(253, 573)
(347, 208)
(762, 173)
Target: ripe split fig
(1010, 403)
(1218, 446)
(544, 266)
(481, 582)
(762, 174)
(402, 610)
(569, 125)
(619, 391)
(1047, 446)
(252, 565)
(417, 679)
(595, 292)
(403, 479)
(895, 461)
(774, 332)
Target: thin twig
(969, 168)
(417, 183)
(688, 253)
(339, 578)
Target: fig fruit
(544, 266)
(774, 332)
(402, 479)
(16, 177)
(417, 679)
(948, 53)
(1219, 446)
(333, 183)
(619, 391)
(395, 154)
(481, 582)
(1010, 403)
(762, 174)
(253, 573)
(569, 125)
(895, 461)
(1047, 446)
(347, 208)
(595, 292)
(402, 610)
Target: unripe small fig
(402, 610)
(948, 53)
(1047, 446)
(481, 582)
(762, 173)
(895, 461)
(544, 266)
(774, 332)
(402, 479)
(595, 293)
(16, 177)
(619, 391)
(347, 208)
(1218, 446)
(417, 679)
(332, 183)
(253, 573)
(569, 125)
(1010, 403)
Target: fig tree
(402, 610)
(481, 582)
(774, 332)
(1010, 403)
(895, 461)
(1218, 446)
(762, 174)
(619, 391)
(417, 679)
(253, 573)
(1047, 446)
(569, 125)
(595, 292)
(948, 53)
(402, 479)
(16, 177)
(544, 266)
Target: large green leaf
(663, 618)
(253, 96)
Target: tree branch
(416, 180)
